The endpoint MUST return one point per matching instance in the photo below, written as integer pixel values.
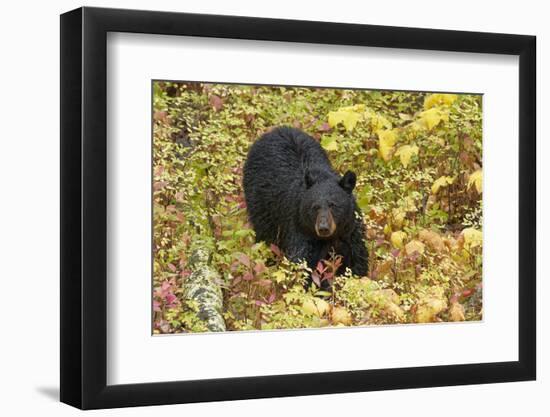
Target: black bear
(297, 201)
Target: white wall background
(29, 213)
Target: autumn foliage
(418, 158)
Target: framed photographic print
(256, 208)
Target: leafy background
(418, 157)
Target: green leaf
(329, 143)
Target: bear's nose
(324, 224)
(323, 227)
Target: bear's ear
(308, 179)
(348, 181)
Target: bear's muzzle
(325, 225)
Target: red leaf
(159, 170)
(249, 117)
(259, 268)
(216, 102)
(271, 298)
(234, 265)
(248, 276)
(320, 267)
(316, 279)
(244, 259)
(325, 127)
(159, 185)
(172, 267)
(160, 115)
(275, 249)
(171, 300)
(467, 293)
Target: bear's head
(327, 206)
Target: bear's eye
(315, 207)
(331, 204)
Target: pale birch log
(202, 286)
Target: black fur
(288, 181)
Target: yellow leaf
(359, 108)
(378, 122)
(456, 312)
(416, 126)
(414, 246)
(434, 100)
(348, 116)
(341, 316)
(397, 239)
(384, 267)
(369, 284)
(388, 301)
(395, 312)
(350, 121)
(334, 117)
(472, 237)
(405, 153)
(386, 139)
(387, 295)
(398, 217)
(476, 179)
(316, 306)
(431, 117)
(427, 311)
(441, 182)
(329, 143)
(430, 305)
(437, 140)
(433, 240)
(410, 204)
(279, 276)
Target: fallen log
(202, 286)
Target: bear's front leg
(359, 262)
(298, 248)
(303, 249)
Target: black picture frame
(84, 207)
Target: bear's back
(284, 152)
(274, 177)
